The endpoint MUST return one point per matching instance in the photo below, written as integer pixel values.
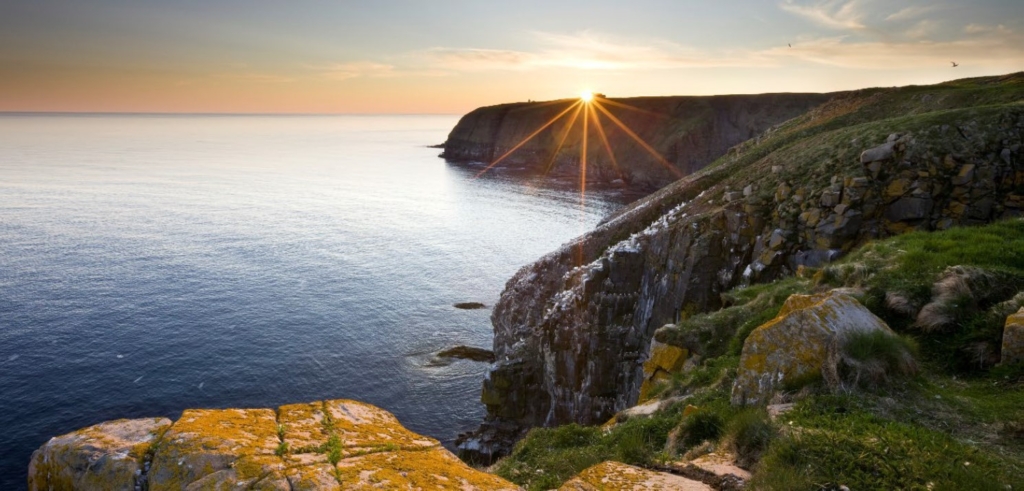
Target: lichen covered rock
(1013, 338)
(328, 445)
(614, 476)
(109, 455)
(664, 360)
(794, 345)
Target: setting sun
(586, 96)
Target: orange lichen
(615, 476)
(434, 468)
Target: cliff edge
(572, 330)
(689, 132)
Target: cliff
(328, 445)
(689, 132)
(572, 330)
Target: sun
(586, 96)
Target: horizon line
(167, 113)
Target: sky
(450, 56)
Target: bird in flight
(790, 44)
(955, 64)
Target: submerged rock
(794, 345)
(468, 353)
(470, 305)
(329, 445)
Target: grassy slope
(951, 427)
(958, 423)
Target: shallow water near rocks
(150, 264)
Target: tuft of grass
(333, 449)
(750, 433)
(282, 449)
(703, 425)
(872, 360)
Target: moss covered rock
(794, 345)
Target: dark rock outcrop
(689, 132)
(572, 330)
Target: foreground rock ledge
(329, 445)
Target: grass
(833, 441)
(547, 457)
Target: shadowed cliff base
(687, 133)
(573, 330)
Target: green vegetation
(841, 440)
(916, 411)
(548, 457)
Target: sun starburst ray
(607, 146)
(528, 138)
(654, 153)
(561, 140)
(635, 109)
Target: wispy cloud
(913, 12)
(355, 69)
(833, 14)
(254, 77)
(922, 29)
(588, 51)
(993, 50)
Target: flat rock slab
(106, 456)
(326, 445)
(615, 476)
(721, 465)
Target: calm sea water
(150, 264)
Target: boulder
(110, 455)
(614, 476)
(664, 359)
(328, 445)
(1013, 338)
(794, 344)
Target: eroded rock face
(1013, 339)
(111, 455)
(329, 445)
(689, 132)
(615, 476)
(795, 344)
(573, 330)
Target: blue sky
(450, 56)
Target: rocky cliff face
(689, 132)
(328, 445)
(573, 329)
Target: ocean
(153, 263)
